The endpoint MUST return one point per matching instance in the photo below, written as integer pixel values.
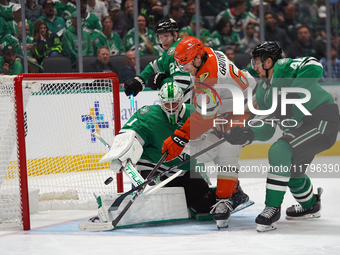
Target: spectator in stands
(16, 11)
(54, 23)
(229, 52)
(205, 35)
(254, 14)
(119, 25)
(16, 41)
(237, 15)
(335, 64)
(108, 38)
(33, 11)
(176, 12)
(153, 11)
(98, 8)
(304, 45)
(64, 8)
(6, 10)
(48, 44)
(147, 38)
(274, 33)
(8, 64)
(70, 41)
(274, 8)
(102, 63)
(249, 41)
(290, 23)
(213, 7)
(320, 27)
(128, 17)
(4, 30)
(187, 17)
(129, 70)
(90, 22)
(225, 36)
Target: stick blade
(93, 226)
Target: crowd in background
(232, 25)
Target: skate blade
(305, 217)
(265, 228)
(222, 224)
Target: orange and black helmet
(187, 49)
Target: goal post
(47, 143)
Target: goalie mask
(171, 97)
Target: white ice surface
(56, 232)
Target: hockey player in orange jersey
(212, 73)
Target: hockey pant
(290, 155)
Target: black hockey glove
(239, 135)
(155, 80)
(134, 86)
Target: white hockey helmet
(171, 97)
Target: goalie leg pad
(164, 204)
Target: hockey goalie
(140, 143)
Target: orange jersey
(210, 82)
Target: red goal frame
(22, 164)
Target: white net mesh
(62, 154)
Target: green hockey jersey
(153, 127)
(166, 64)
(296, 73)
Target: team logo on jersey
(171, 51)
(282, 61)
(144, 110)
(203, 76)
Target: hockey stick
(91, 226)
(132, 107)
(119, 200)
(139, 191)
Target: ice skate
(239, 197)
(298, 212)
(266, 221)
(221, 211)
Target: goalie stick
(87, 226)
(119, 200)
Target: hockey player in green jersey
(303, 137)
(163, 69)
(141, 138)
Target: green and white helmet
(171, 97)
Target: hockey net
(47, 148)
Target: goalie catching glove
(175, 144)
(239, 135)
(134, 85)
(125, 147)
(155, 80)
